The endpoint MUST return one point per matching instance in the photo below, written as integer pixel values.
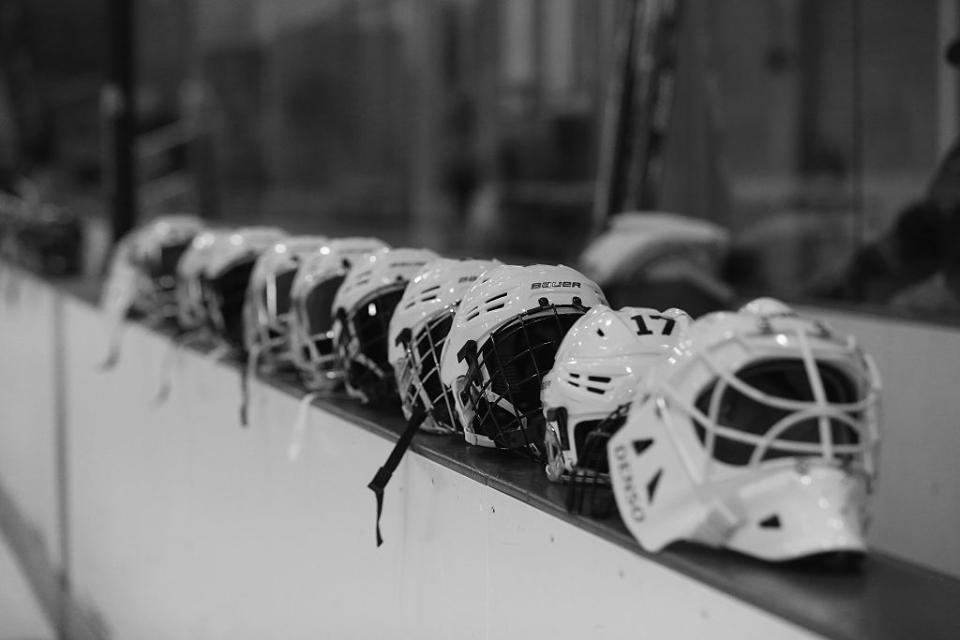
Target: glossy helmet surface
(504, 338)
(758, 434)
(311, 325)
(142, 275)
(600, 364)
(267, 304)
(226, 277)
(362, 308)
(191, 307)
(639, 241)
(418, 331)
(661, 259)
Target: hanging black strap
(244, 394)
(384, 473)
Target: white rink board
(916, 510)
(28, 460)
(185, 525)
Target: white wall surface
(917, 502)
(28, 461)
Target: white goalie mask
(418, 331)
(362, 308)
(311, 324)
(267, 304)
(504, 338)
(758, 433)
(226, 277)
(600, 364)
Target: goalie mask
(227, 276)
(600, 363)
(758, 434)
(142, 275)
(311, 323)
(418, 331)
(267, 305)
(362, 309)
(504, 338)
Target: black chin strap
(384, 473)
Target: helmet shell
(311, 323)
(227, 276)
(418, 330)
(506, 294)
(599, 366)
(267, 304)
(362, 308)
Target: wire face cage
(784, 407)
(588, 489)
(159, 267)
(504, 376)
(362, 346)
(272, 316)
(320, 362)
(418, 374)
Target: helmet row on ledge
(753, 429)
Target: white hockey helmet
(151, 253)
(418, 331)
(312, 294)
(362, 308)
(226, 277)
(267, 304)
(505, 335)
(758, 433)
(600, 364)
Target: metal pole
(119, 105)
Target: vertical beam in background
(810, 61)
(119, 109)
(64, 594)
(617, 124)
(426, 205)
(948, 78)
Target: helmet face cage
(156, 250)
(268, 315)
(418, 374)
(501, 390)
(191, 308)
(160, 266)
(311, 326)
(311, 334)
(588, 489)
(787, 407)
(362, 336)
